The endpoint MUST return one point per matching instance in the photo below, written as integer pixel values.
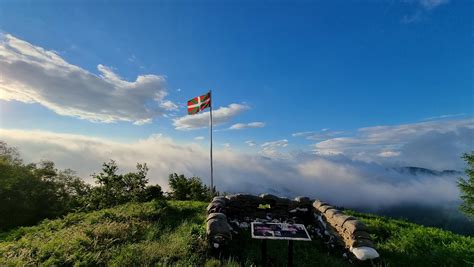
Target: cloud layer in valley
(433, 144)
(32, 74)
(345, 178)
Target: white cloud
(279, 143)
(271, 149)
(422, 10)
(250, 143)
(433, 144)
(389, 154)
(143, 122)
(32, 74)
(241, 126)
(324, 134)
(168, 105)
(201, 120)
(226, 145)
(431, 4)
(336, 179)
(412, 18)
(445, 116)
(199, 138)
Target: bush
(114, 189)
(32, 192)
(183, 188)
(466, 186)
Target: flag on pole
(199, 103)
(196, 105)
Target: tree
(114, 189)
(188, 188)
(32, 192)
(467, 186)
(153, 192)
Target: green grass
(154, 233)
(173, 233)
(403, 243)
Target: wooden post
(290, 253)
(264, 252)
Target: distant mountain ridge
(423, 171)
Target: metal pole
(210, 122)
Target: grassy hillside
(172, 233)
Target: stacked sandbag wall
(353, 232)
(247, 206)
(218, 229)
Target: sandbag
(361, 242)
(275, 202)
(364, 253)
(329, 213)
(266, 196)
(350, 226)
(323, 209)
(221, 199)
(340, 219)
(303, 200)
(356, 235)
(243, 197)
(220, 216)
(213, 208)
(217, 227)
(244, 201)
(318, 203)
(215, 204)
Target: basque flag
(199, 103)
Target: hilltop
(173, 233)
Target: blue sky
(301, 67)
(313, 75)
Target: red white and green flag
(199, 103)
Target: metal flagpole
(210, 122)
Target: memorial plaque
(281, 231)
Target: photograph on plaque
(283, 231)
